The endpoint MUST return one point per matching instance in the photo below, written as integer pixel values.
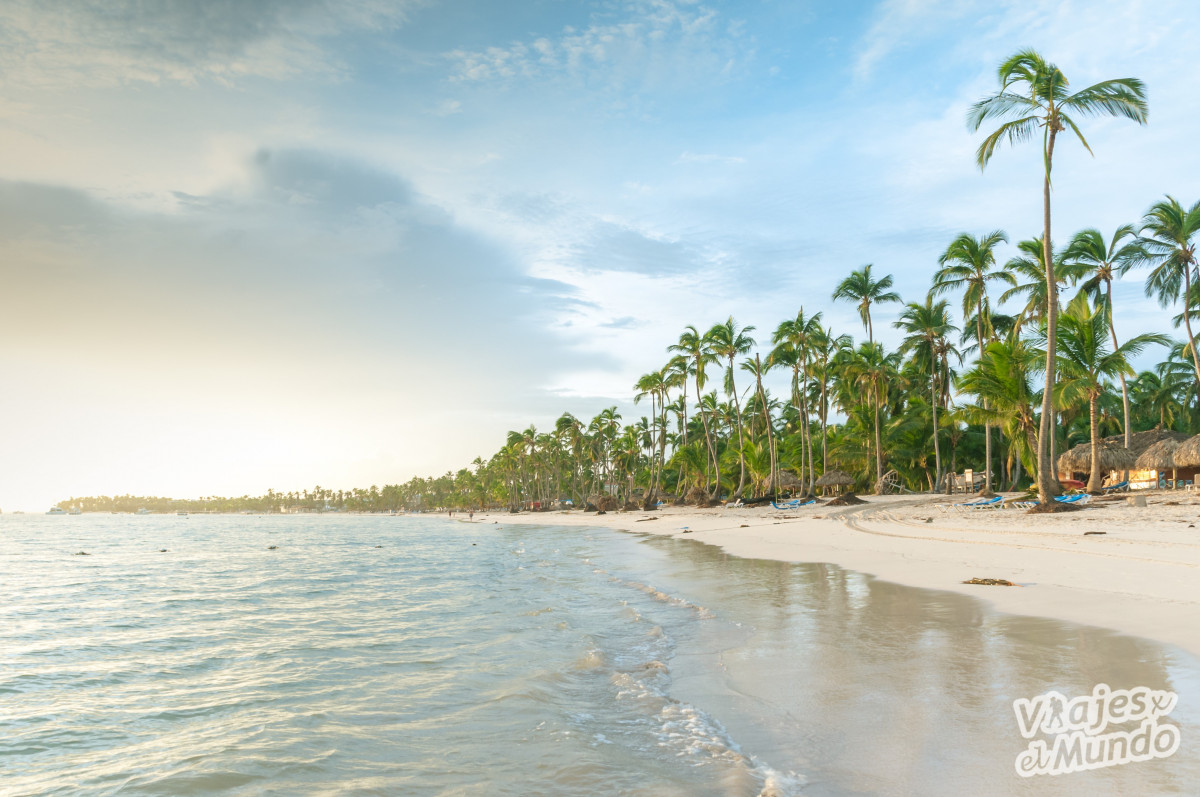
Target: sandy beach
(1138, 575)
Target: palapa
(1188, 453)
(1160, 456)
(835, 478)
(1112, 457)
(789, 481)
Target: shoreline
(1133, 570)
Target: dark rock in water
(83, 553)
(991, 582)
(162, 550)
(272, 547)
(378, 546)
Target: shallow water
(499, 659)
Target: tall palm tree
(756, 368)
(794, 340)
(862, 288)
(695, 349)
(1105, 261)
(1084, 360)
(1167, 232)
(928, 326)
(726, 340)
(1034, 94)
(869, 369)
(969, 264)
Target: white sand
(1141, 577)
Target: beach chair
(1078, 498)
(793, 503)
(1113, 488)
(965, 504)
(735, 504)
(991, 503)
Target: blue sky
(274, 244)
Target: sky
(276, 244)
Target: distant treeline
(390, 497)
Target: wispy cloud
(648, 43)
(82, 43)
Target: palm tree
(727, 341)
(860, 287)
(1000, 382)
(1084, 360)
(1167, 232)
(869, 369)
(794, 340)
(693, 346)
(968, 265)
(1106, 261)
(928, 326)
(1033, 93)
(756, 368)
(1028, 269)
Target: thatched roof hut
(835, 478)
(789, 481)
(1160, 456)
(1140, 441)
(1112, 457)
(1188, 453)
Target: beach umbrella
(835, 478)
(789, 481)
(1112, 457)
(1188, 453)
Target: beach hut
(788, 481)
(1186, 460)
(835, 479)
(1076, 464)
(1144, 475)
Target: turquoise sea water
(401, 655)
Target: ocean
(411, 655)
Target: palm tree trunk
(741, 442)
(1187, 316)
(1048, 486)
(1124, 389)
(937, 451)
(1094, 479)
(878, 448)
(987, 426)
(708, 437)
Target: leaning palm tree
(969, 264)
(725, 340)
(1085, 360)
(1167, 232)
(1034, 94)
(862, 288)
(1104, 261)
(928, 326)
